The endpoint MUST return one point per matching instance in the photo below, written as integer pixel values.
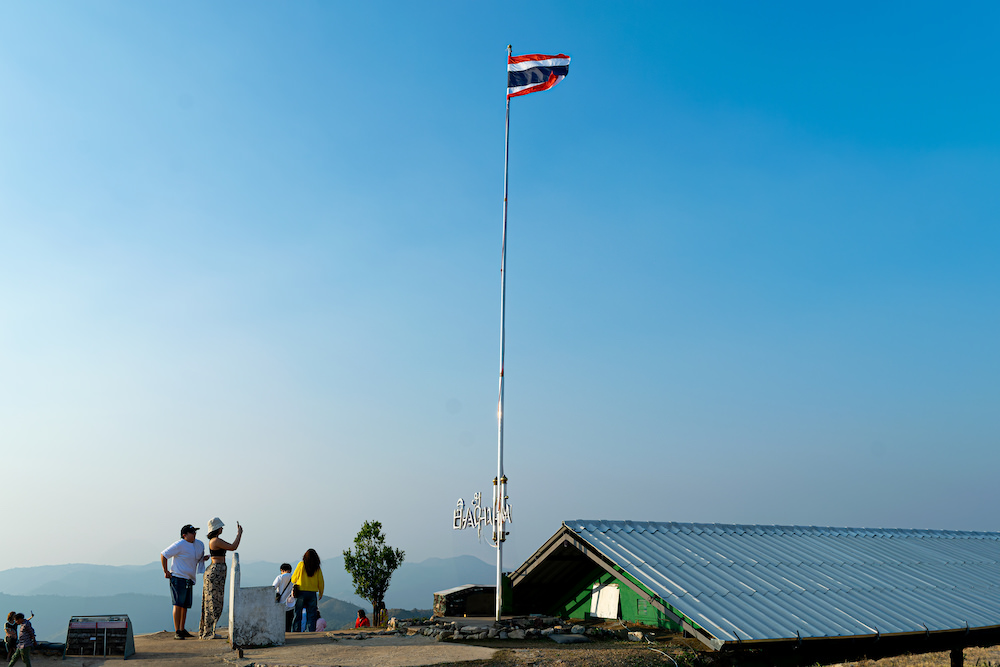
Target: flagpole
(500, 483)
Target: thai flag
(529, 74)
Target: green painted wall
(633, 608)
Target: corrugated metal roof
(463, 587)
(753, 583)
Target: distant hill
(341, 615)
(412, 587)
(148, 613)
(84, 580)
(152, 613)
(413, 584)
(56, 592)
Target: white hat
(215, 524)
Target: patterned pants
(212, 599)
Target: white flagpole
(500, 483)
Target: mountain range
(56, 592)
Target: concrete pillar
(255, 619)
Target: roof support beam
(567, 537)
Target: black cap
(188, 529)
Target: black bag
(295, 590)
(279, 597)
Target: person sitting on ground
(362, 621)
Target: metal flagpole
(500, 483)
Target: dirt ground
(599, 654)
(624, 654)
(306, 648)
(340, 649)
(335, 649)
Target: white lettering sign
(477, 515)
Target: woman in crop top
(215, 577)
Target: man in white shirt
(189, 558)
(283, 593)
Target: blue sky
(249, 267)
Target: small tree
(371, 565)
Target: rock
(472, 630)
(444, 636)
(547, 631)
(502, 634)
(578, 630)
(635, 636)
(516, 634)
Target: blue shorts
(180, 591)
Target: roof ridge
(779, 529)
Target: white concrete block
(255, 619)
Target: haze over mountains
(56, 592)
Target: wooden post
(957, 656)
